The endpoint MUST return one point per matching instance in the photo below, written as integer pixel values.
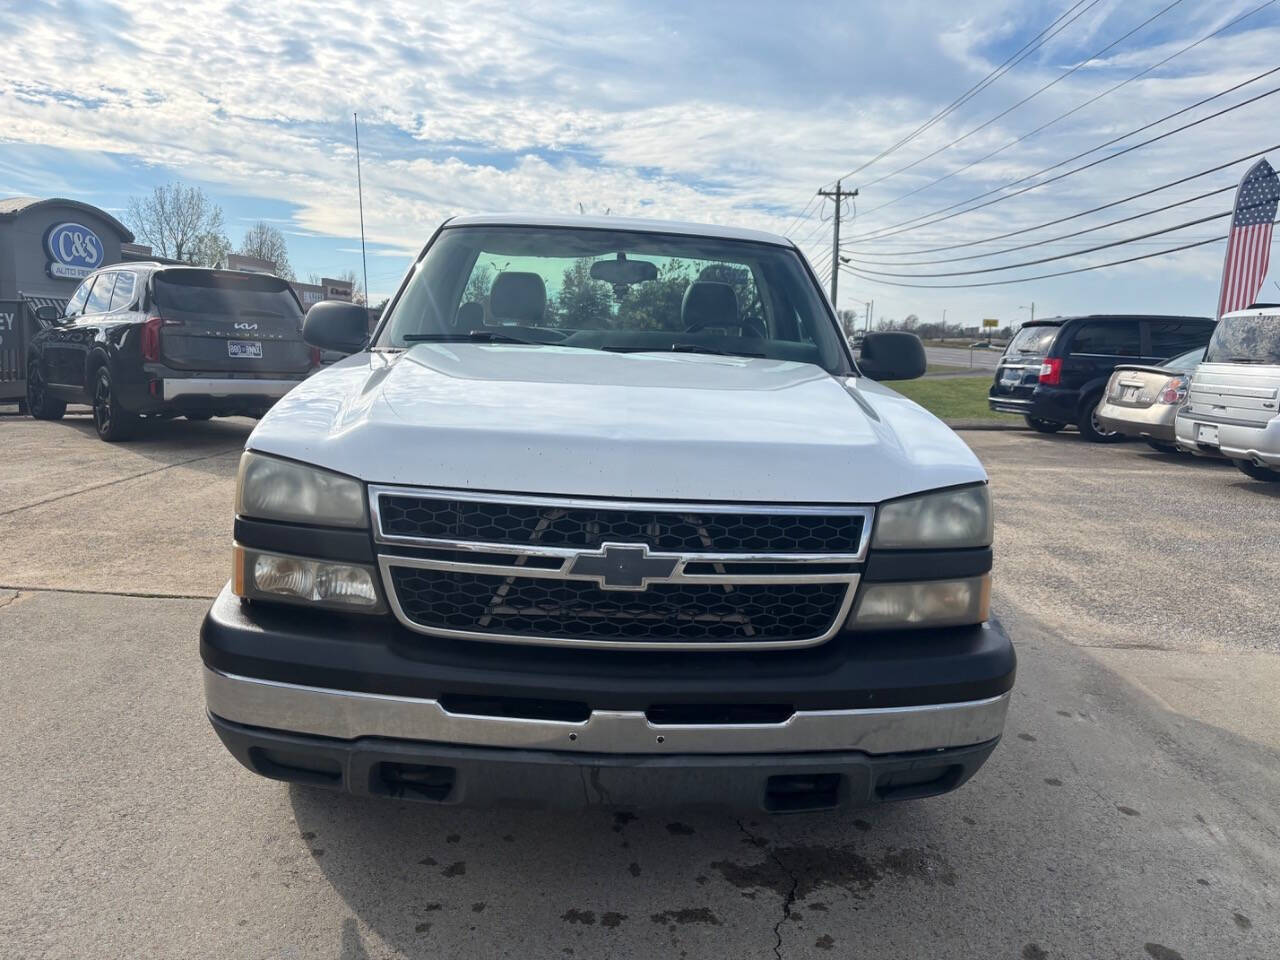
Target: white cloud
(715, 111)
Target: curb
(984, 425)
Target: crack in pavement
(790, 899)
(111, 483)
(106, 593)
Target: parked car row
(149, 340)
(1179, 383)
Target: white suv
(1232, 404)
(606, 513)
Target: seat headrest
(709, 303)
(517, 296)
(470, 316)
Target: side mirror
(892, 356)
(336, 325)
(48, 313)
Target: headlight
(273, 489)
(274, 576)
(947, 519)
(930, 603)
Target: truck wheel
(1091, 427)
(1043, 426)
(1257, 472)
(197, 417)
(39, 404)
(113, 422)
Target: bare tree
(266, 242)
(180, 223)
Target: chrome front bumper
(347, 715)
(218, 387)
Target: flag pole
(364, 260)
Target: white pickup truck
(606, 513)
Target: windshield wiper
(472, 336)
(682, 348)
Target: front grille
(587, 527)
(544, 608)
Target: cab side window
(1119, 339)
(100, 299)
(76, 304)
(126, 285)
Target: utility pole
(838, 195)
(870, 303)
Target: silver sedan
(1143, 401)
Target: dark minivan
(148, 340)
(1054, 371)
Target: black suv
(145, 339)
(1054, 371)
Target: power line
(1014, 59)
(1082, 213)
(1062, 76)
(1060, 256)
(804, 214)
(1043, 276)
(1062, 116)
(1040, 243)
(890, 231)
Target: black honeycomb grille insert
(547, 608)
(589, 527)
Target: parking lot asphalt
(1129, 811)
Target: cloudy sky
(723, 112)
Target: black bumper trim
(488, 776)
(376, 655)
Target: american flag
(1249, 242)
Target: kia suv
(147, 340)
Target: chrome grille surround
(556, 562)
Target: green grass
(951, 398)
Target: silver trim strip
(385, 563)
(217, 387)
(348, 715)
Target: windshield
(615, 290)
(1254, 338)
(1033, 340)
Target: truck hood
(565, 421)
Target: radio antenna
(364, 260)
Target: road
(983, 360)
(1129, 811)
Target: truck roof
(620, 223)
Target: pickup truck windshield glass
(1249, 339)
(616, 290)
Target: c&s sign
(74, 251)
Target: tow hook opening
(413, 781)
(802, 792)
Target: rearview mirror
(48, 313)
(623, 272)
(891, 356)
(336, 325)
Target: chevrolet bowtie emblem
(620, 567)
